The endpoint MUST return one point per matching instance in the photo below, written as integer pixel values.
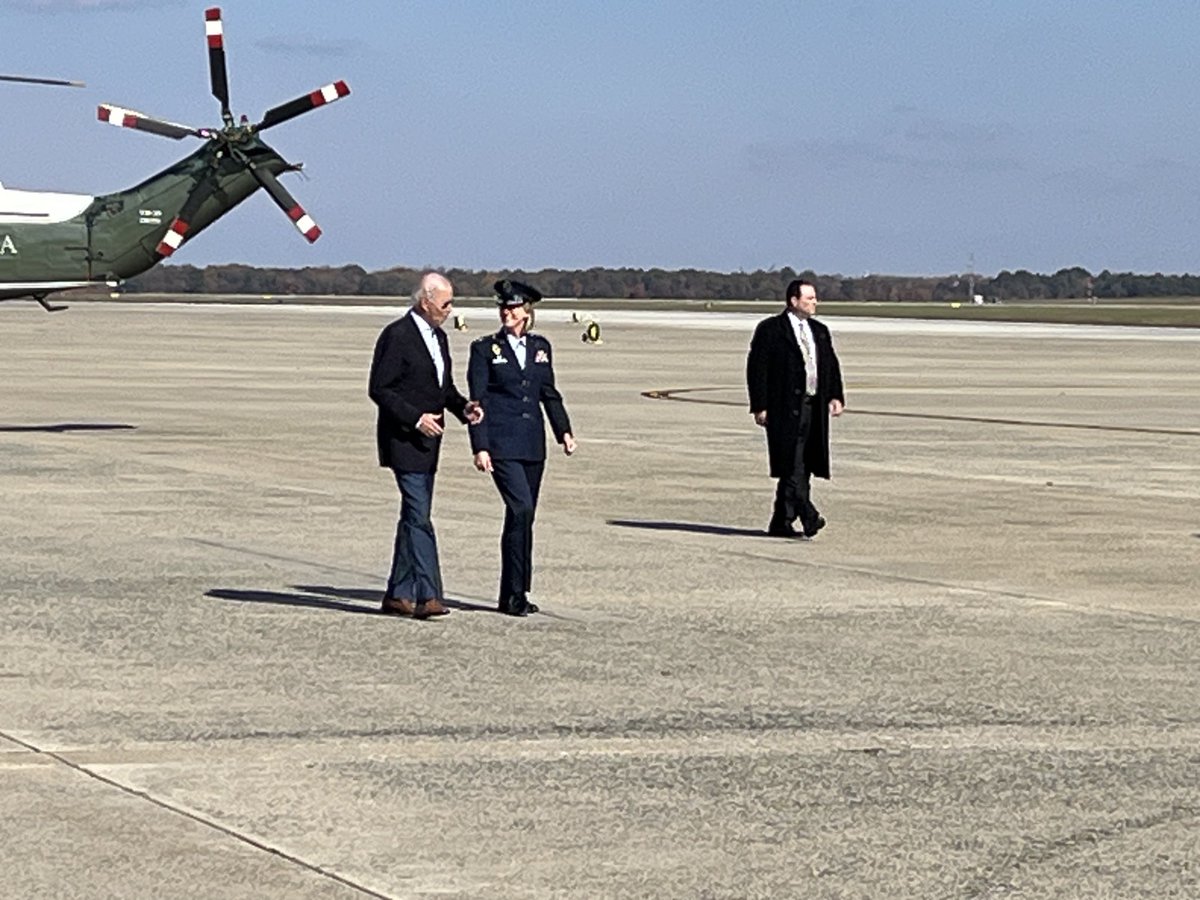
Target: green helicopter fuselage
(52, 242)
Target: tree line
(686, 284)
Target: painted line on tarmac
(968, 588)
(982, 590)
(673, 394)
(821, 563)
(195, 817)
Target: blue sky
(850, 137)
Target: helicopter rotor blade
(177, 231)
(285, 201)
(285, 111)
(214, 32)
(293, 210)
(22, 79)
(128, 118)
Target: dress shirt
(431, 342)
(808, 349)
(518, 348)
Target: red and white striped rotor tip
(214, 30)
(329, 93)
(173, 238)
(304, 223)
(116, 115)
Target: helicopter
(52, 242)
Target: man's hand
(473, 412)
(760, 417)
(430, 425)
(836, 407)
(569, 444)
(483, 461)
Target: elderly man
(411, 383)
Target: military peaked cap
(514, 293)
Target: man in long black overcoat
(795, 384)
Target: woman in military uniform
(511, 374)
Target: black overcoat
(403, 383)
(513, 398)
(775, 380)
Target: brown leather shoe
(398, 606)
(427, 609)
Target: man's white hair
(430, 283)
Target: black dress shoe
(787, 531)
(515, 605)
(811, 529)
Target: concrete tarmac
(980, 680)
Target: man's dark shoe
(787, 531)
(812, 528)
(397, 606)
(515, 605)
(427, 609)
(530, 606)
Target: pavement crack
(674, 394)
(206, 821)
(1036, 851)
(982, 590)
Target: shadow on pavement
(695, 527)
(332, 598)
(62, 427)
(279, 598)
(374, 596)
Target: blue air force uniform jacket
(513, 398)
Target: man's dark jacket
(404, 386)
(775, 379)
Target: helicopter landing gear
(48, 307)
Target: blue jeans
(416, 574)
